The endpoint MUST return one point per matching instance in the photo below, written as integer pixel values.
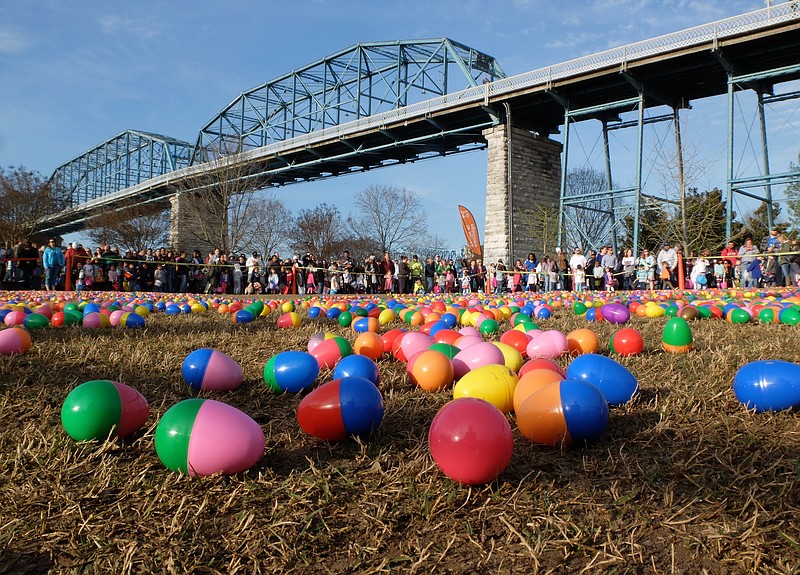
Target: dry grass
(684, 481)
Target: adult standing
(667, 255)
(628, 269)
(747, 253)
(577, 260)
(430, 274)
(403, 275)
(53, 261)
(785, 260)
(730, 253)
(562, 267)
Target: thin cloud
(12, 42)
(114, 24)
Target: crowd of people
(29, 266)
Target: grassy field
(685, 479)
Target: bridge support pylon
(190, 227)
(522, 194)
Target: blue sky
(73, 74)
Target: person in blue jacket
(53, 263)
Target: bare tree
(134, 228)
(25, 199)
(392, 216)
(272, 225)
(587, 222)
(542, 222)
(218, 208)
(319, 230)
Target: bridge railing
(616, 57)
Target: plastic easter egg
(768, 385)
(615, 382)
(36, 321)
(532, 382)
(314, 312)
(579, 308)
(738, 315)
(204, 437)
(345, 318)
(449, 350)
(432, 370)
(290, 371)
(512, 358)
(615, 313)
(489, 326)
(563, 414)
(627, 342)
(289, 320)
(386, 316)
(207, 369)
(14, 340)
(518, 340)
(242, 316)
(542, 363)
(255, 308)
(365, 324)
(131, 320)
(357, 366)
(369, 344)
(389, 338)
(484, 353)
(789, 316)
(470, 441)
(329, 352)
(466, 341)
(582, 341)
(100, 408)
(171, 309)
(15, 318)
(492, 383)
(342, 407)
(95, 320)
(676, 336)
(317, 339)
(410, 344)
(688, 312)
(550, 343)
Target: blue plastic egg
(291, 371)
(357, 366)
(615, 382)
(768, 385)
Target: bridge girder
(364, 80)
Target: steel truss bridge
(370, 106)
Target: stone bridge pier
(522, 194)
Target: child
(273, 281)
(597, 273)
(580, 277)
(418, 287)
(113, 277)
(642, 281)
(665, 277)
(610, 280)
(237, 278)
(80, 284)
(440, 283)
(465, 286)
(719, 274)
(158, 278)
(450, 281)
